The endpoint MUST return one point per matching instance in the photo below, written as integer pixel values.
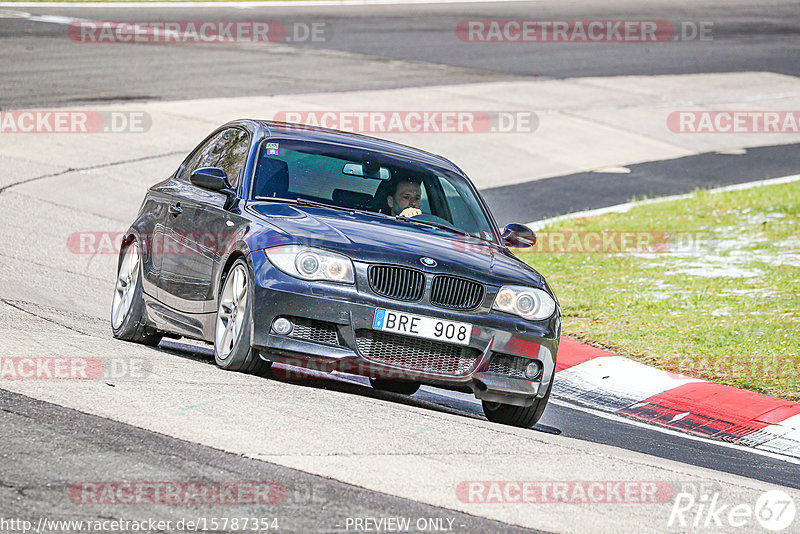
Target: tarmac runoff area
(549, 128)
(56, 302)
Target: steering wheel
(430, 217)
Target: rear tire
(521, 416)
(394, 386)
(232, 350)
(127, 308)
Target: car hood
(377, 240)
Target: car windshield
(352, 178)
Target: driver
(404, 199)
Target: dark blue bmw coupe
(316, 248)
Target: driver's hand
(410, 212)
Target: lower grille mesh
(503, 364)
(313, 330)
(415, 354)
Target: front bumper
(348, 310)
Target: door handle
(176, 209)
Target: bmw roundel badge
(428, 262)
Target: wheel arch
(127, 238)
(241, 250)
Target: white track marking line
(11, 14)
(245, 5)
(641, 424)
(622, 208)
(52, 19)
(131, 29)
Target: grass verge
(708, 287)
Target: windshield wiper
(306, 202)
(314, 203)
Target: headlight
(311, 263)
(527, 302)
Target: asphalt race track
(340, 450)
(592, 190)
(380, 47)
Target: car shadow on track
(428, 398)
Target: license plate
(421, 326)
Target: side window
(230, 153)
(424, 201)
(200, 158)
(462, 214)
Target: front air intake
(399, 283)
(456, 293)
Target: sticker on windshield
(272, 149)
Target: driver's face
(408, 195)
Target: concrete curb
(611, 383)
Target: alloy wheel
(125, 290)
(231, 313)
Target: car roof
(305, 132)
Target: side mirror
(212, 178)
(518, 235)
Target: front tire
(521, 416)
(232, 350)
(127, 308)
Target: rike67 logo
(774, 510)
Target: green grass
(727, 310)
